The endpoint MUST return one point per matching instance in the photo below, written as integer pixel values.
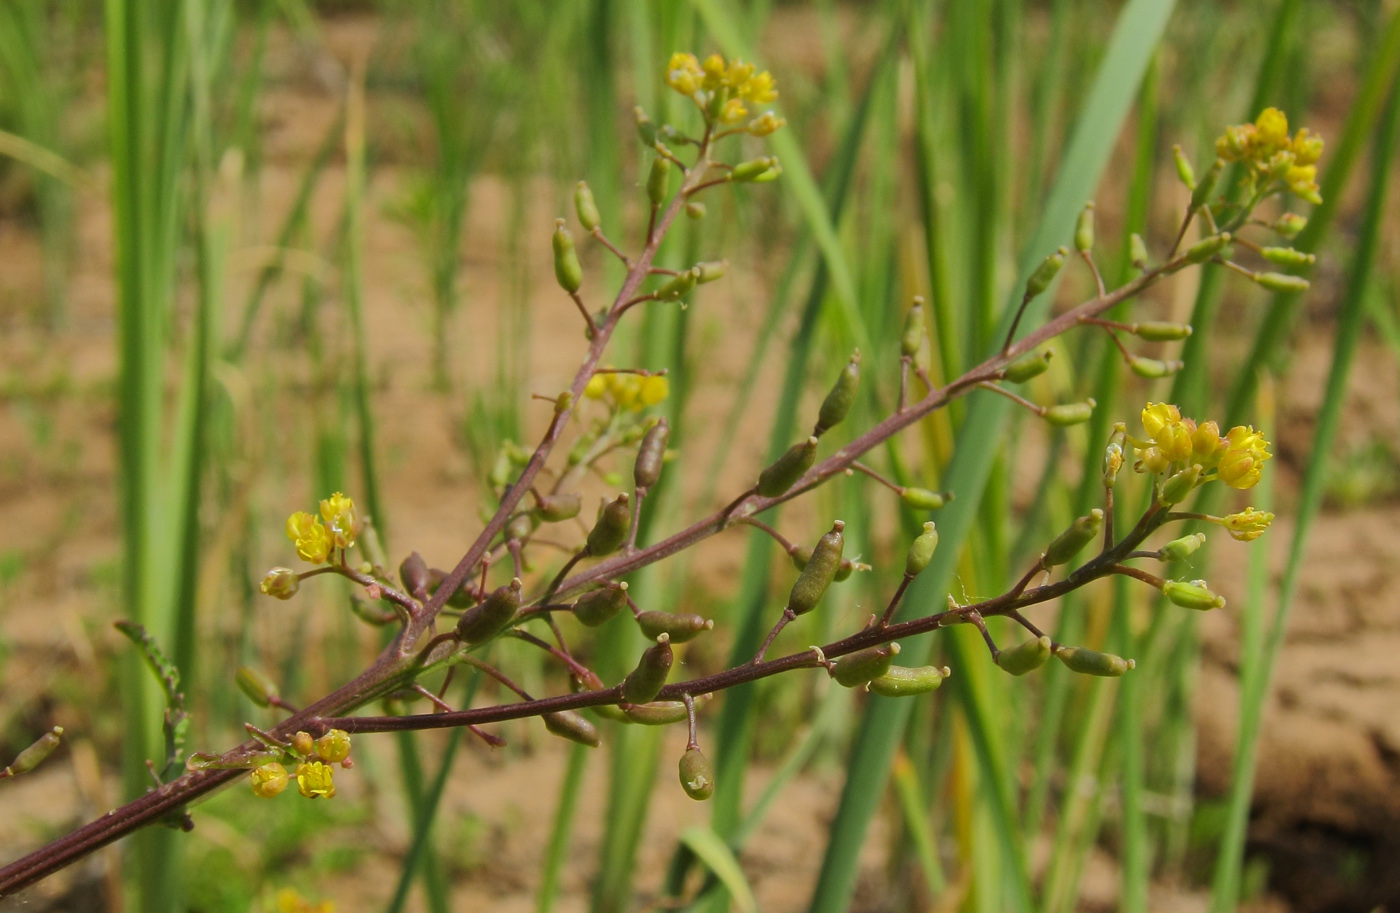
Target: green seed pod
(710, 270)
(1067, 414)
(461, 597)
(908, 681)
(1206, 248)
(1137, 251)
(256, 686)
(1289, 224)
(34, 755)
(800, 556)
(1028, 366)
(1200, 195)
(679, 286)
(413, 574)
(611, 712)
(1025, 657)
(1161, 331)
(659, 180)
(1281, 282)
(584, 206)
(572, 725)
(483, 622)
(567, 269)
(770, 175)
(788, 468)
(521, 526)
(1183, 548)
(1087, 662)
(697, 779)
(679, 627)
(614, 523)
(921, 551)
(598, 606)
(646, 472)
(1183, 168)
(642, 683)
(560, 506)
(1287, 256)
(662, 713)
(863, 666)
(820, 571)
(695, 210)
(842, 396)
(1176, 488)
(1068, 543)
(1193, 595)
(923, 499)
(1045, 273)
(646, 130)
(846, 568)
(1153, 368)
(752, 169)
(912, 336)
(1084, 229)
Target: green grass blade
(711, 849)
(562, 831)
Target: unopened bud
(1087, 662)
(572, 725)
(695, 210)
(614, 523)
(1084, 229)
(644, 682)
(679, 627)
(908, 681)
(1069, 543)
(862, 666)
(1193, 595)
(303, 744)
(1025, 657)
(1045, 273)
(1161, 331)
(787, 469)
(567, 269)
(1028, 366)
(1154, 368)
(483, 622)
(923, 499)
(921, 551)
(1183, 168)
(819, 572)
(1289, 224)
(659, 180)
(598, 606)
(269, 780)
(646, 472)
(1066, 414)
(585, 207)
(1287, 256)
(334, 746)
(1179, 485)
(1200, 194)
(842, 396)
(280, 583)
(256, 686)
(413, 574)
(912, 336)
(1181, 549)
(1281, 282)
(697, 779)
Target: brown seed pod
(483, 622)
(679, 626)
(644, 682)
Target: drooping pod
(819, 571)
(598, 606)
(907, 681)
(1088, 662)
(678, 626)
(1154, 368)
(1069, 543)
(838, 402)
(483, 622)
(1025, 657)
(864, 666)
(646, 472)
(614, 523)
(572, 725)
(644, 682)
(697, 779)
(787, 469)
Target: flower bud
(1200, 194)
(1161, 331)
(695, 210)
(268, 780)
(1206, 248)
(1153, 368)
(572, 725)
(1183, 168)
(1137, 251)
(614, 523)
(923, 499)
(1069, 543)
(679, 626)
(1084, 229)
(788, 468)
(483, 622)
(659, 180)
(696, 777)
(912, 336)
(1281, 282)
(921, 551)
(558, 507)
(1289, 224)
(567, 269)
(334, 746)
(585, 207)
(907, 681)
(255, 686)
(1066, 414)
(1181, 549)
(1193, 595)
(752, 169)
(598, 606)
(1179, 485)
(1028, 366)
(644, 682)
(1287, 256)
(646, 472)
(1087, 662)
(303, 744)
(842, 396)
(1248, 524)
(812, 583)
(862, 666)
(280, 583)
(1025, 657)
(413, 573)
(1045, 273)
(316, 780)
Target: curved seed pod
(643, 682)
(788, 468)
(1028, 366)
(748, 171)
(1084, 229)
(923, 499)
(1025, 657)
(864, 666)
(695, 210)
(907, 681)
(413, 574)
(1161, 331)
(598, 606)
(1045, 273)
(812, 583)
(912, 336)
(679, 627)
(1067, 414)
(842, 396)
(680, 285)
(710, 270)
(1201, 194)
(696, 777)
(35, 754)
(1087, 662)
(1068, 543)
(614, 523)
(572, 725)
(1194, 595)
(1181, 484)
(646, 472)
(662, 713)
(1206, 248)
(1137, 251)
(921, 551)
(1153, 367)
(255, 686)
(659, 180)
(1282, 282)
(586, 208)
(1183, 168)
(560, 506)
(567, 269)
(1181, 549)
(461, 597)
(485, 621)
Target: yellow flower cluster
(315, 774)
(289, 901)
(633, 392)
(1271, 154)
(722, 87)
(316, 540)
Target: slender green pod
(1282, 282)
(572, 725)
(597, 607)
(820, 570)
(1066, 414)
(558, 507)
(1161, 331)
(611, 529)
(35, 754)
(1193, 595)
(1153, 368)
(921, 551)
(1070, 542)
(659, 180)
(567, 268)
(923, 499)
(483, 622)
(585, 207)
(912, 336)
(1045, 273)
(679, 626)
(1084, 229)
(788, 468)
(908, 681)
(1200, 194)
(863, 666)
(1028, 366)
(842, 396)
(1025, 657)
(256, 686)
(662, 713)
(651, 453)
(1181, 549)
(644, 682)
(1088, 662)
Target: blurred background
(254, 252)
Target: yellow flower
(1237, 144)
(683, 73)
(625, 388)
(765, 123)
(312, 540)
(653, 390)
(1156, 416)
(268, 780)
(334, 746)
(1307, 148)
(280, 583)
(1271, 127)
(339, 513)
(714, 71)
(737, 73)
(1302, 180)
(733, 112)
(1247, 525)
(316, 780)
(289, 901)
(1243, 461)
(761, 89)
(1206, 444)
(1164, 426)
(597, 386)
(1151, 460)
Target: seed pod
(820, 570)
(599, 606)
(921, 551)
(1200, 195)
(679, 286)
(1084, 229)
(334, 746)
(1287, 256)
(1282, 282)
(679, 627)
(614, 523)
(788, 468)
(646, 130)
(1025, 657)
(912, 336)
(35, 754)
(659, 180)
(1137, 251)
(1028, 366)
(695, 210)
(461, 597)
(1087, 662)
(521, 526)
(642, 683)
(863, 666)
(485, 621)
(611, 712)
(1289, 224)
(1181, 549)
(1045, 273)
(1161, 331)
(923, 499)
(800, 556)
(1193, 595)
(255, 686)
(559, 507)
(847, 567)
(842, 396)
(1183, 168)
(1179, 485)
(748, 171)
(710, 270)
(907, 681)
(1068, 543)
(584, 206)
(413, 574)
(646, 472)
(662, 713)
(770, 175)
(1153, 368)
(696, 778)
(1206, 248)
(1067, 414)
(567, 269)
(572, 725)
